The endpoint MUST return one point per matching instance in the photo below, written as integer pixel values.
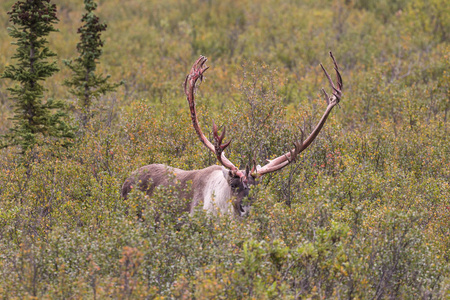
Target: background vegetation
(364, 213)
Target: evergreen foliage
(33, 117)
(85, 84)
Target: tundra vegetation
(364, 212)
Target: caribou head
(215, 186)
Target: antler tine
(302, 136)
(219, 148)
(292, 154)
(297, 147)
(328, 76)
(327, 98)
(254, 168)
(338, 75)
(218, 140)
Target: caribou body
(213, 187)
(221, 187)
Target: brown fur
(148, 177)
(159, 174)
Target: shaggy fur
(213, 186)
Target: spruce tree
(85, 84)
(33, 117)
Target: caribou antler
(196, 73)
(285, 159)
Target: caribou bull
(216, 187)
